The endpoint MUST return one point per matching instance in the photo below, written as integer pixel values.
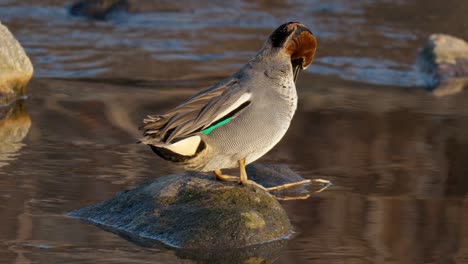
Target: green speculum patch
(208, 130)
(227, 118)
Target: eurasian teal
(237, 120)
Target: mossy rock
(15, 67)
(192, 211)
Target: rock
(15, 67)
(192, 211)
(98, 9)
(446, 59)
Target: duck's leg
(287, 185)
(244, 180)
(327, 184)
(243, 176)
(219, 176)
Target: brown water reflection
(14, 126)
(398, 161)
(396, 158)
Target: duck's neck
(269, 61)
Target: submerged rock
(192, 211)
(15, 67)
(446, 58)
(97, 9)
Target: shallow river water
(397, 155)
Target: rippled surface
(369, 41)
(396, 155)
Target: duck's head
(297, 41)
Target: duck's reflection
(14, 126)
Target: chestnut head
(297, 41)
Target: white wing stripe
(244, 98)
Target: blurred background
(366, 121)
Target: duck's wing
(206, 109)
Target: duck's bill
(296, 69)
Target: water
(395, 154)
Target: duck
(239, 119)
